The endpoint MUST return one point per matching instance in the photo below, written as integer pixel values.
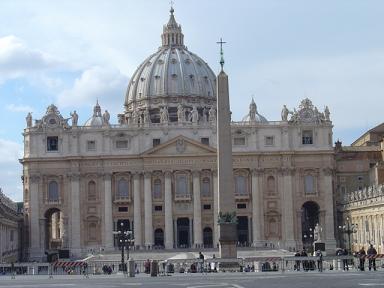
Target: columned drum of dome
(170, 77)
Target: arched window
(53, 191)
(206, 187)
(271, 185)
(157, 188)
(122, 188)
(182, 185)
(309, 184)
(240, 185)
(91, 190)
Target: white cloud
(106, 85)
(19, 108)
(18, 60)
(10, 169)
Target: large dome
(171, 76)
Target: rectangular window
(239, 141)
(11, 236)
(123, 209)
(205, 140)
(155, 142)
(182, 186)
(269, 141)
(241, 206)
(307, 137)
(309, 184)
(158, 208)
(240, 185)
(207, 206)
(52, 143)
(121, 144)
(91, 145)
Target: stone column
(75, 215)
(330, 241)
(63, 229)
(54, 223)
(257, 209)
(215, 210)
(168, 210)
(198, 238)
(108, 225)
(148, 226)
(36, 251)
(287, 201)
(137, 211)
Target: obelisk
(226, 199)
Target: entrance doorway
(54, 229)
(242, 230)
(183, 233)
(207, 237)
(309, 219)
(159, 238)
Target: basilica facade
(155, 172)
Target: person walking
(305, 262)
(371, 252)
(362, 255)
(345, 261)
(297, 265)
(201, 257)
(319, 260)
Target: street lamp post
(125, 241)
(308, 237)
(349, 228)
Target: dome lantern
(172, 34)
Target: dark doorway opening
(309, 219)
(207, 237)
(183, 233)
(242, 230)
(159, 238)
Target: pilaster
(198, 239)
(137, 210)
(148, 225)
(168, 210)
(108, 224)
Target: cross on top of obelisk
(221, 42)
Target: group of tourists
(370, 254)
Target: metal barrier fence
(165, 267)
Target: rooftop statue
(106, 117)
(74, 118)
(29, 119)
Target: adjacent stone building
(155, 171)
(10, 230)
(360, 191)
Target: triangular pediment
(180, 145)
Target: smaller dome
(96, 120)
(253, 116)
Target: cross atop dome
(172, 34)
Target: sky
(73, 52)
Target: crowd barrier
(170, 266)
